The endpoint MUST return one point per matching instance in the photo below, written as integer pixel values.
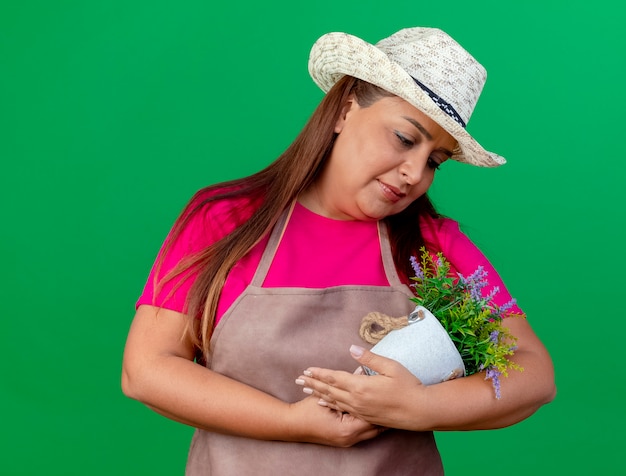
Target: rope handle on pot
(376, 325)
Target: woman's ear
(349, 106)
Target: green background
(112, 113)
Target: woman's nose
(412, 170)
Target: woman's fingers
(315, 424)
(329, 386)
(369, 397)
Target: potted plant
(455, 330)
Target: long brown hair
(271, 191)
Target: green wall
(112, 113)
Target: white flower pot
(424, 348)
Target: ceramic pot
(423, 347)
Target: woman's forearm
(189, 393)
(159, 371)
(469, 403)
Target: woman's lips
(391, 193)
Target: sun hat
(423, 66)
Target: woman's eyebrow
(421, 128)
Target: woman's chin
(376, 213)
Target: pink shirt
(315, 252)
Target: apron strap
(385, 248)
(271, 247)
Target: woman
(265, 276)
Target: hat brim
(336, 55)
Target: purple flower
(494, 375)
(417, 268)
(493, 336)
(505, 307)
(475, 294)
(494, 291)
(438, 262)
(475, 283)
(478, 275)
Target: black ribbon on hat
(444, 105)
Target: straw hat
(423, 66)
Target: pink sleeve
(464, 257)
(204, 228)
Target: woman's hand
(395, 398)
(323, 425)
(379, 399)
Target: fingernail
(308, 373)
(322, 402)
(308, 390)
(357, 351)
(299, 381)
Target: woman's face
(384, 157)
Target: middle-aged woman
(263, 277)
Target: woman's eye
(404, 140)
(433, 164)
